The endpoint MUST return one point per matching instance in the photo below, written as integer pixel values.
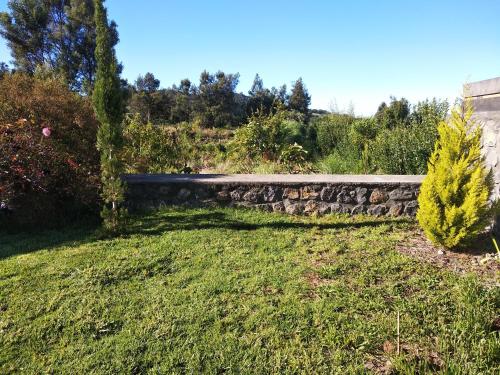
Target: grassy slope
(236, 291)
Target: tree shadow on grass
(158, 224)
(25, 242)
(178, 219)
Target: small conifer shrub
(454, 204)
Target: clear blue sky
(359, 51)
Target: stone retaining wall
(293, 194)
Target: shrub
(261, 138)
(362, 131)
(330, 130)
(454, 197)
(406, 149)
(270, 139)
(49, 166)
(157, 148)
(294, 158)
(403, 150)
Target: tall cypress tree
(107, 98)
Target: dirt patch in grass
(478, 259)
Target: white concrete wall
(486, 99)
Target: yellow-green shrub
(454, 197)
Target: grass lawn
(237, 291)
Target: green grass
(237, 291)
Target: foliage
(50, 177)
(143, 100)
(107, 99)
(344, 159)
(260, 98)
(394, 114)
(182, 103)
(454, 197)
(4, 69)
(349, 140)
(294, 157)
(362, 132)
(159, 149)
(216, 105)
(331, 129)
(406, 149)
(369, 145)
(54, 33)
(271, 138)
(214, 102)
(260, 138)
(299, 99)
(278, 294)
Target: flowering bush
(48, 164)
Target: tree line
(58, 37)
(214, 102)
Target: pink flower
(46, 132)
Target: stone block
(378, 196)
(400, 194)
(223, 196)
(411, 208)
(344, 196)
(361, 193)
(310, 192)
(253, 196)
(359, 209)
(295, 208)
(291, 193)
(378, 210)
(237, 195)
(271, 194)
(311, 207)
(324, 208)
(396, 209)
(327, 194)
(163, 190)
(338, 208)
(278, 207)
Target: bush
(454, 197)
(340, 161)
(49, 165)
(270, 138)
(403, 150)
(157, 148)
(294, 158)
(330, 130)
(362, 132)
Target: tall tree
(257, 86)
(59, 34)
(216, 99)
(147, 83)
(260, 97)
(299, 99)
(107, 99)
(396, 113)
(146, 86)
(282, 95)
(182, 106)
